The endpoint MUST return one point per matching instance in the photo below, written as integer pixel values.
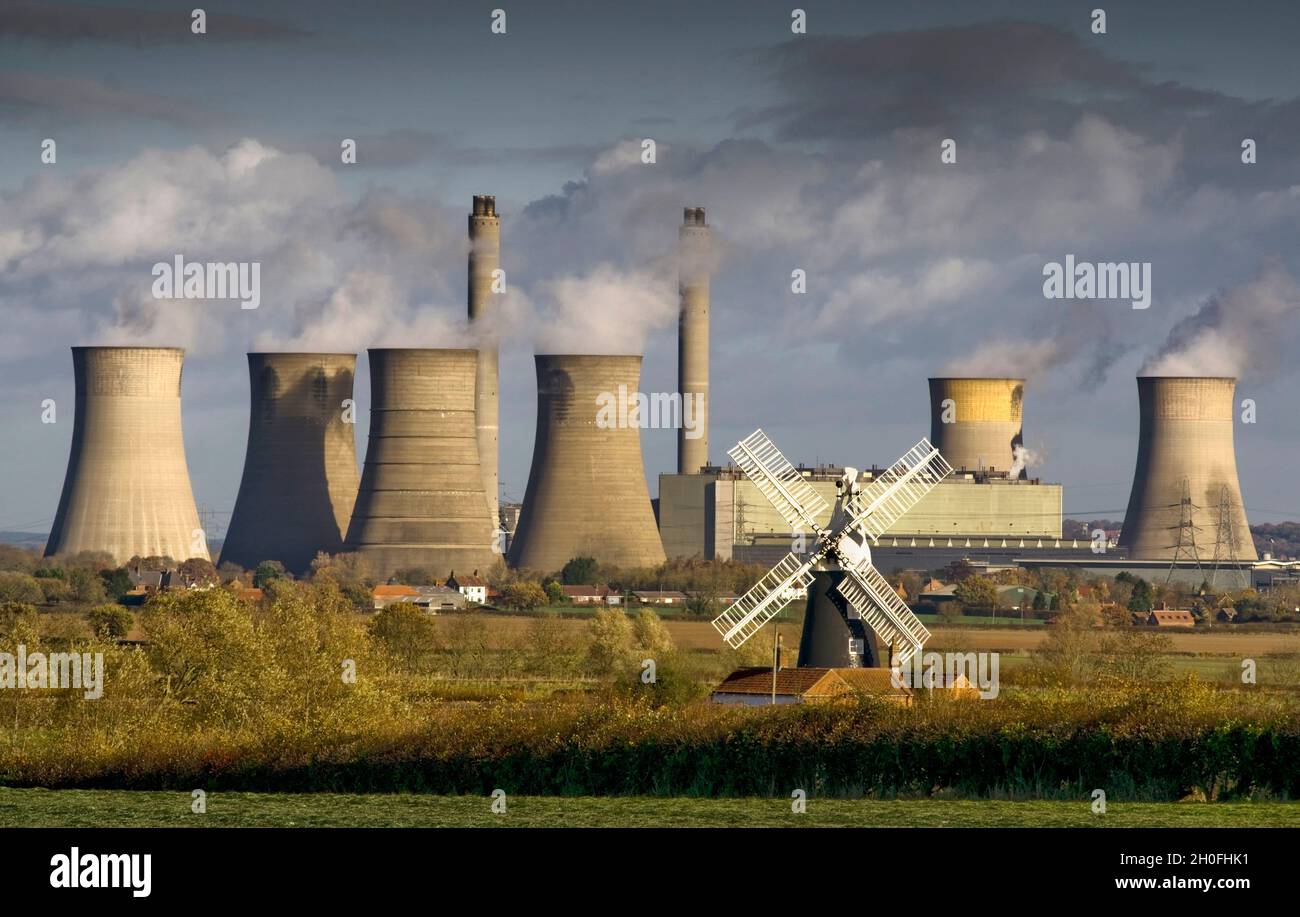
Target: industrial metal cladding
(300, 471)
(127, 490)
(1185, 487)
(421, 501)
(976, 422)
(587, 493)
(485, 279)
(695, 240)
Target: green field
(126, 808)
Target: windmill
(848, 599)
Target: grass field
(125, 808)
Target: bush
(87, 586)
(580, 571)
(522, 596)
(977, 592)
(110, 621)
(20, 587)
(611, 649)
(54, 590)
(117, 582)
(267, 572)
(407, 632)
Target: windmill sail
(899, 488)
(883, 611)
(763, 601)
(787, 490)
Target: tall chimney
(127, 490)
(1185, 436)
(694, 243)
(421, 501)
(976, 422)
(587, 493)
(300, 471)
(484, 258)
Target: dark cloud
(840, 85)
(65, 23)
(30, 97)
(988, 83)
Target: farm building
(591, 595)
(659, 597)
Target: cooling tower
(300, 470)
(421, 501)
(975, 422)
(484, 258)
(587, 492)
(1185, 435)
(694, 240)
(127, 490)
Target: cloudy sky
(819, 152)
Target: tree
(1136, 654)
(610, 651)
(266, 572)
(1040, 601)
(56, 590)
(230, 572)
(87, 587)
(19, 587)
(15, 616)
(117, 582)
(1066, 655)
(522, 596)
(110, 621)
(650, 634)
(705, 604)
(278, 671)
(407, 632)
(580, 571)
(1140, 600)
(977, 592)
(547, 646)
(198, 571)
(555, 593)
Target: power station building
(421, 502)
(300, 471)
(988, 506)
(127, 489)
(587, 493)
(721, 514)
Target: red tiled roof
(388, 589)
(759, 681)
